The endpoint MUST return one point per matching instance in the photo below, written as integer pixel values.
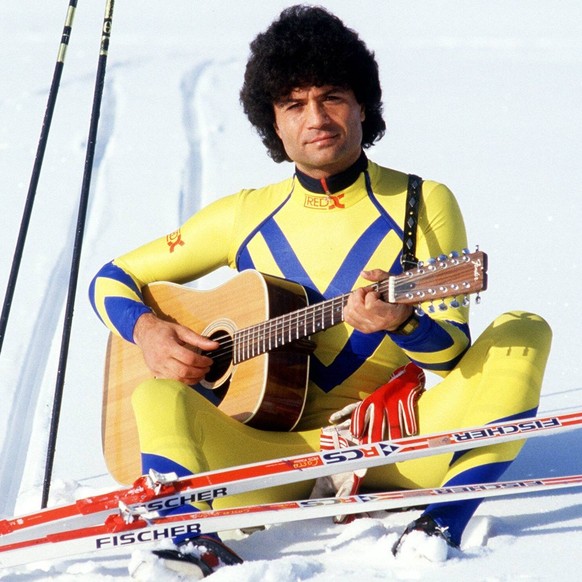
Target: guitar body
(267, 391)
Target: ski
(157, 491)
(122, 533)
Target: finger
(374, 275)
(395, 431)
(189, 374)
(344, 413)
(188, 358)
(359, 422)
(194, 339)
(376, 424)
(406, 419)
(371, 300)
(360, 302)
(408, 411)
(357, 298)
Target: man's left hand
(367, 312)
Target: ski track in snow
(191, 192)
(25, 405)
(105, 136)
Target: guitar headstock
(452, 276)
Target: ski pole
(42, 142)
(80, 230)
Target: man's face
(321, 129)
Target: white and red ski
(157, 492)
(121, 533)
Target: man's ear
(362, 113)
(276, 128)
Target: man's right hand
(171, 350)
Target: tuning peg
(454, 258)
(455, 303)
(418, 310)
(443, 306)
(466, 301)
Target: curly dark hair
(309, 46)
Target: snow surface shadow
(546, 522)
(279, 539)
(306, 539)
(549, 455)
(27, 398)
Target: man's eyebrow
(289, 97)
(284, 99)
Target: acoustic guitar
(263, 325)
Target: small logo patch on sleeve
(174, 239)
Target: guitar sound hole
(222, 356)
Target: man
(312, 91)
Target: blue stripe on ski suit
(359, 347)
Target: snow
(483, 96)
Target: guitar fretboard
(452, 276)
(282, 330)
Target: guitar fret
(256, 340)
(236, 349)
(252, 342)
(278, 336)
(245, 346)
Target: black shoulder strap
(409, 260)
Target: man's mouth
(322, 139)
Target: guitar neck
(282, 330)
(452, 276)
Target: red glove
(390, 411)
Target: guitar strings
(262, 337)
(257, 339)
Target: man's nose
(316, 114)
